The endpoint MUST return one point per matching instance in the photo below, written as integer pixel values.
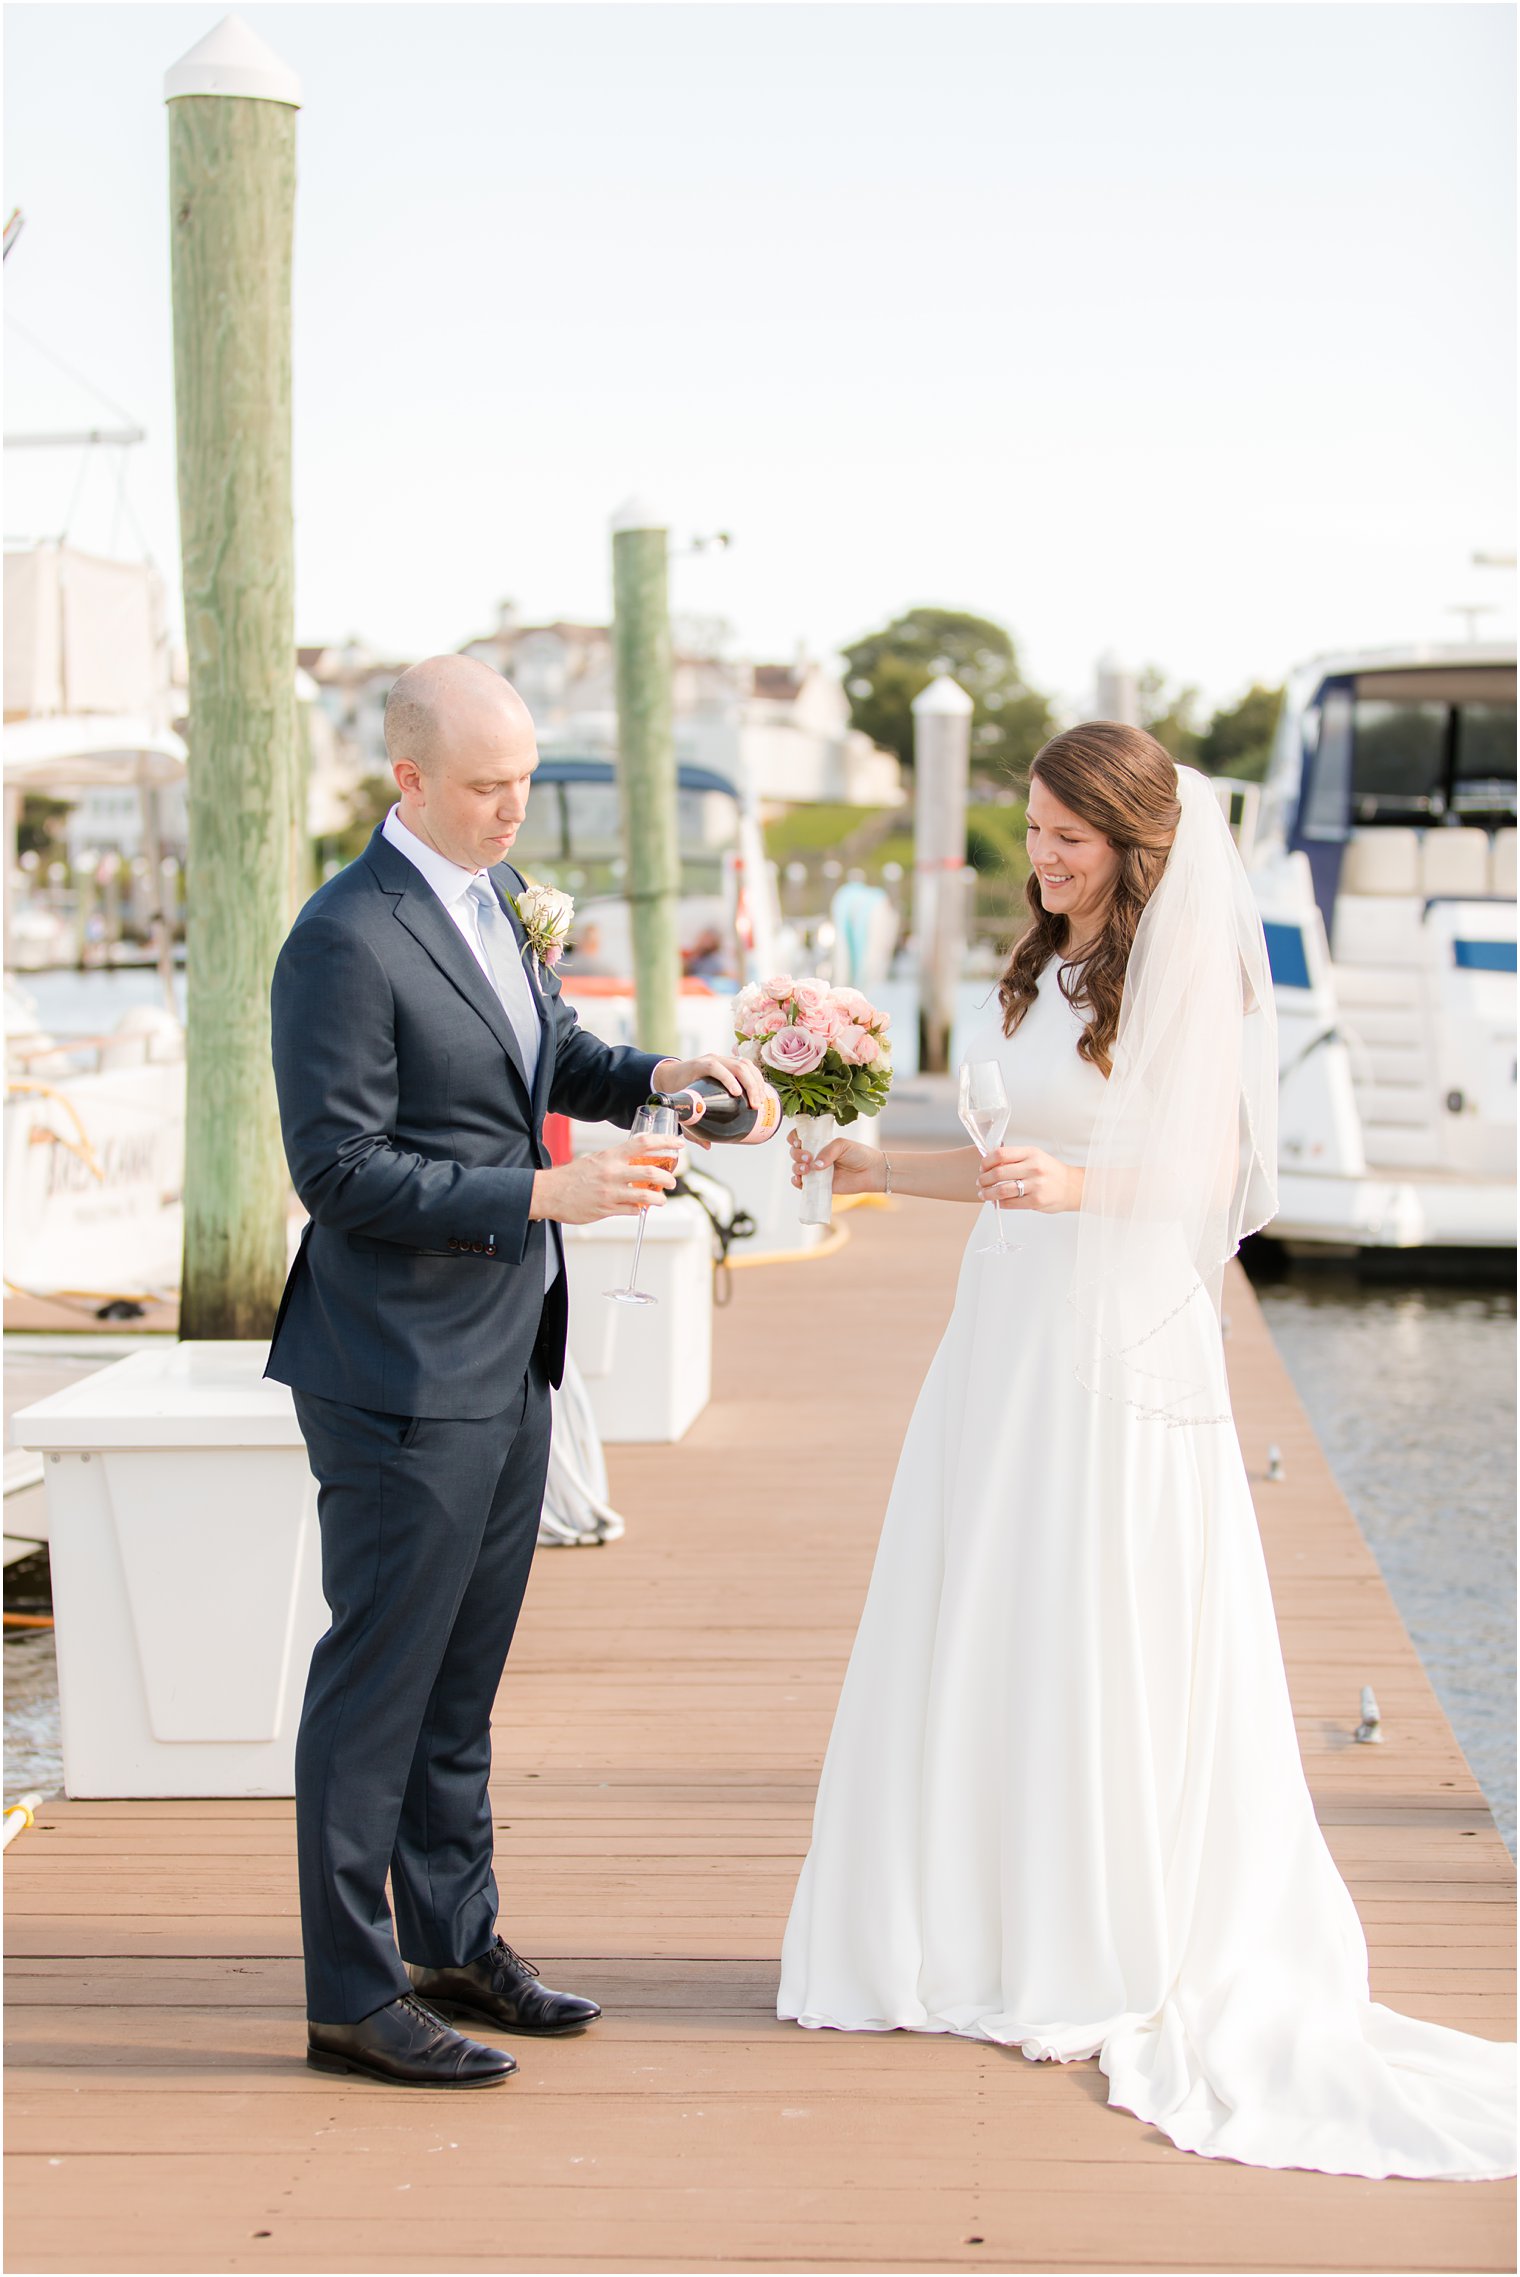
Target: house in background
(783, 727)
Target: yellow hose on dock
(20, 1814)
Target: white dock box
(186, 1563)
(647, 1368)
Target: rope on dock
(833, 1241)
(70, 1300)
(19, 1815)
(29, 1620)
(81, 1146)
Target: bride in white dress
(1062, 1806)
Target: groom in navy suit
(418, 1045)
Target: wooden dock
(658, 1739)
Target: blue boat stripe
(1287, 955)
(1485, 956)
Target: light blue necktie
(504, 958)
(505, 961)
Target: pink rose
(768, 1020)
(848, 1040)
(867, 1051)
(810, 995)
(857, 1006)
(794, 1051)
(780, 990)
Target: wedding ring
(1018, 1187)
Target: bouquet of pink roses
(826, 1051)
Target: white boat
(94, 1156)
(1382, 851)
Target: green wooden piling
(647, 768)
(232, 206)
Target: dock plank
(657, 1742)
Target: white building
(787, 726)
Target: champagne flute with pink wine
(650, 1122)
(982, 1104)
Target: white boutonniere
(545, 916)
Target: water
(1411, 1392)
(91, 1003)
(33, 1748)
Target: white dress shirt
(509, 982)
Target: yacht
(1382, 852)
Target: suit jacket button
(478, 1248)
(453, 1241)
(490, 1249)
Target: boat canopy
(90, 751)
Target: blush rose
(794, 1051)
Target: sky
(1185, 331)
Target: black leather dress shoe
(502, 1988)
(409, 2045)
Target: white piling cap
(638, 514)
(944, 696)
(233, 60)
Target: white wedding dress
(1063, 1807)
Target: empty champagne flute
(652, 1123)
(982, 1104)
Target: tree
(42, 824)
(887, 669)
(1238, 739)
(368, 803)
(1169, 714)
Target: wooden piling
(232, 123)
(647, 766)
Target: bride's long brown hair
(1123, 784)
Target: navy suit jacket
(413, 1137)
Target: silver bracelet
(887, 1159)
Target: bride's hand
(857, 1169)
(1022, 1178)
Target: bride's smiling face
(1076, 866)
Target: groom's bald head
(461, 744)
(446, 702)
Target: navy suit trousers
(428, 1531)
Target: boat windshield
(577, 825)
(1426, 745)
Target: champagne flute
(982, 1104)
(651, 1123)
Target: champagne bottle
(712, 1112)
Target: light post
(941, 767)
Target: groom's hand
(615, 1182)
(735, 1075)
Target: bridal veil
(1182, 1164)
